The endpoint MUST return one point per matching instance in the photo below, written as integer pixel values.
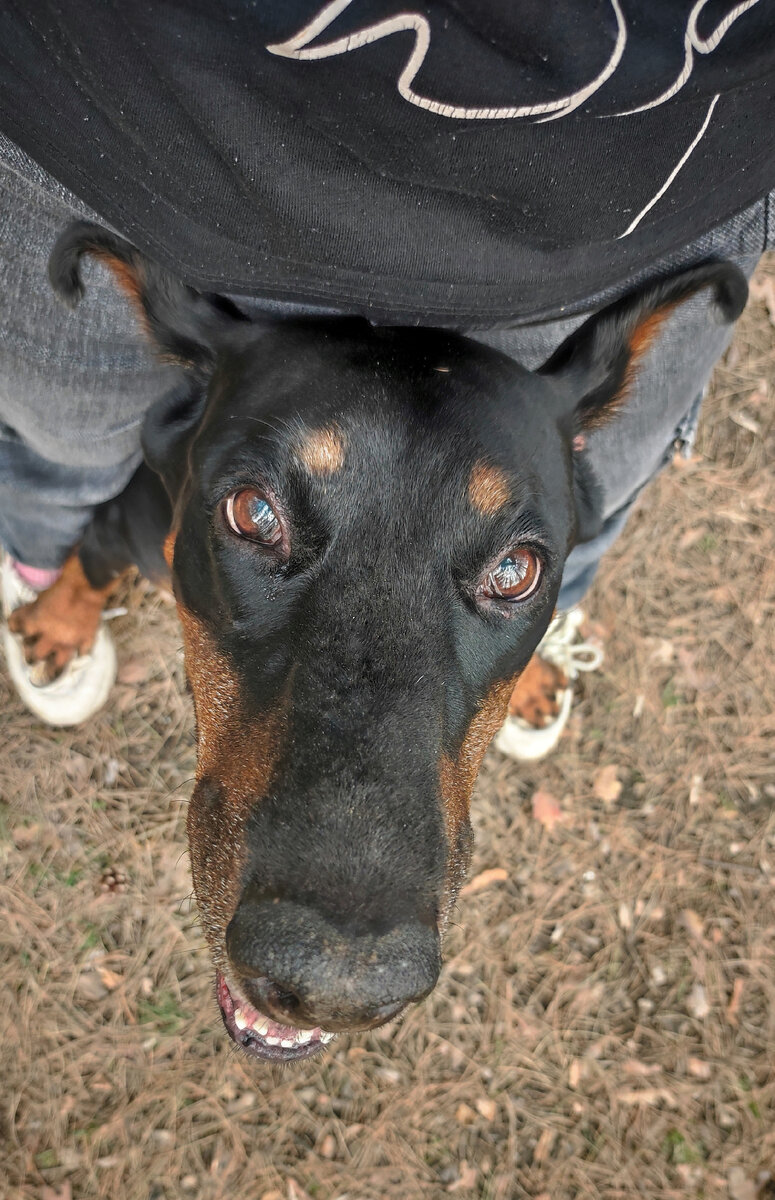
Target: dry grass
(605, 1024)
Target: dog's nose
(300, 968)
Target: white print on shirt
(295, 48)
(298, 47)
(678, 166)
(692, 42)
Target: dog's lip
(236, 1012)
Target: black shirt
(443, 161)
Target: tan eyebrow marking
(488, 488)
(322, 450)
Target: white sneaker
(84, 685)
(559, 646)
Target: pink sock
(38, 578)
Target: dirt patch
(604, 1026)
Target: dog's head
(369, 536)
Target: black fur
(373, 624)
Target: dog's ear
(183, 326)
(598, 363)
(596, 366)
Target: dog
(365, 530)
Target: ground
(604, 1025)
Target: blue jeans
(74, 388)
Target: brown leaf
(487, 1109)
(465, 1115)
(606, 785)
(328, 1146)
(683, 462)
(544, 1146)
(654, 1095)
(690, 537)
(634, 1066)
(484, 880)
(109, 978)
(694, 924)
(734, 1003)
(546, 810)
(466, 1180)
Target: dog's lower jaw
(261, 1037)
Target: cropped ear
(599, 362)
(183, 325)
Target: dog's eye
(516, 576)
(250, 515)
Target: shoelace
(559, 648)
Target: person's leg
(74, 388)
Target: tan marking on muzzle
(458, 776)
(168, 549)
(488, 488)
(236, 753)
(322, 451)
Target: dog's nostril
(301, 969)
(281, 998)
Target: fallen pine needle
(484, 880)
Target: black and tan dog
(366, 530)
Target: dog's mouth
(260, 1036)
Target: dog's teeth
(240, 1020)
(327, 1037)
(260, 1026)
(303, 1036)
(287, 1042)
(272, 1041)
